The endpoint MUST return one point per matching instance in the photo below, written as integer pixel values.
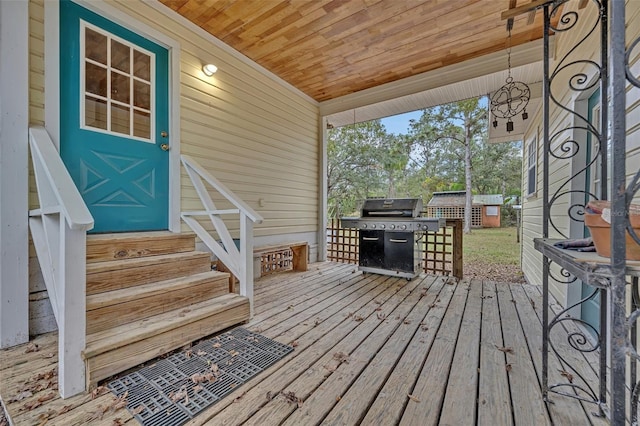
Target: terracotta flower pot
(601, 230)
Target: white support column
(14, 176)
(322, 190)
(246, 260)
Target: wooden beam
(516, 11)
(512, 4)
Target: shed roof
(457, 199)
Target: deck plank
(387, 408)
(313, 341)
(562, 410)
(494, 400)
(321, 391)
(463, 379)
(526, 396)
(364, 390)
(333, 308)
(423, 407)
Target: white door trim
(52, 84)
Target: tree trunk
(467, 177)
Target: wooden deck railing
(441, 251)
(59, 231)
(239, 260)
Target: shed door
(114, 120)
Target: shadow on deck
(369, 349)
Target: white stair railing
(59, 229)
(238, 261)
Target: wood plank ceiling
(331, 48)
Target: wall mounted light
(209, 69)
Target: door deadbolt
(164, 147)
(164, 134)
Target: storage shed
(485, 210)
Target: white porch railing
(238, 261)
(59, 228)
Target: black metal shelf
(586, 266)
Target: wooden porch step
(107, 247)
(118, 307)
(117, 349)
(117, 274)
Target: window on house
(532, 159)
(492, 210)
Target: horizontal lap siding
(258, 137)
(560, 170)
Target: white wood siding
(560, 169)
(259, 137)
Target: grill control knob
(382, 226)
(373, 225)
(392, 226)
(364, 225)
(403, 227)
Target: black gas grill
(390, 230)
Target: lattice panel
(276, 261)
(342, 243)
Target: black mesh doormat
(175, 389)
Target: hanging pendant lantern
(511, 99)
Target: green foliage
(366, 161)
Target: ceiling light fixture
(209, 69)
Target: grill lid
(391, 207)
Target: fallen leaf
(49, 355)
(508, 367)
(239, 397)
(117, 422)
(20, 396)
(341, 357)
(413, 398)
(98, 391)
(358, 318)
(566, 374)
(65, 409)
(32, 347)
(177, 396)
(507, 350)
(139, 409)
(406, 322)
(381, 316)
(338, 398)
(47, 397)
(292, 398)
(294, 344)
(233, 352)
(201, 353)
(217, 345)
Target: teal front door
(114, 116)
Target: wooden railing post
(457, 266)
(72, 316)
(246, 260)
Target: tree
(363, 161)
(456, 127)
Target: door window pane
(120, 56)
(120, 119)
(118, 86)
(95, 46)
(95, 79)
(141, 65)
(141, 124)
(95, 112)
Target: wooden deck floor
(369, 350)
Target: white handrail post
(72, 318)
(246, 256)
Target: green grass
(491, 245)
